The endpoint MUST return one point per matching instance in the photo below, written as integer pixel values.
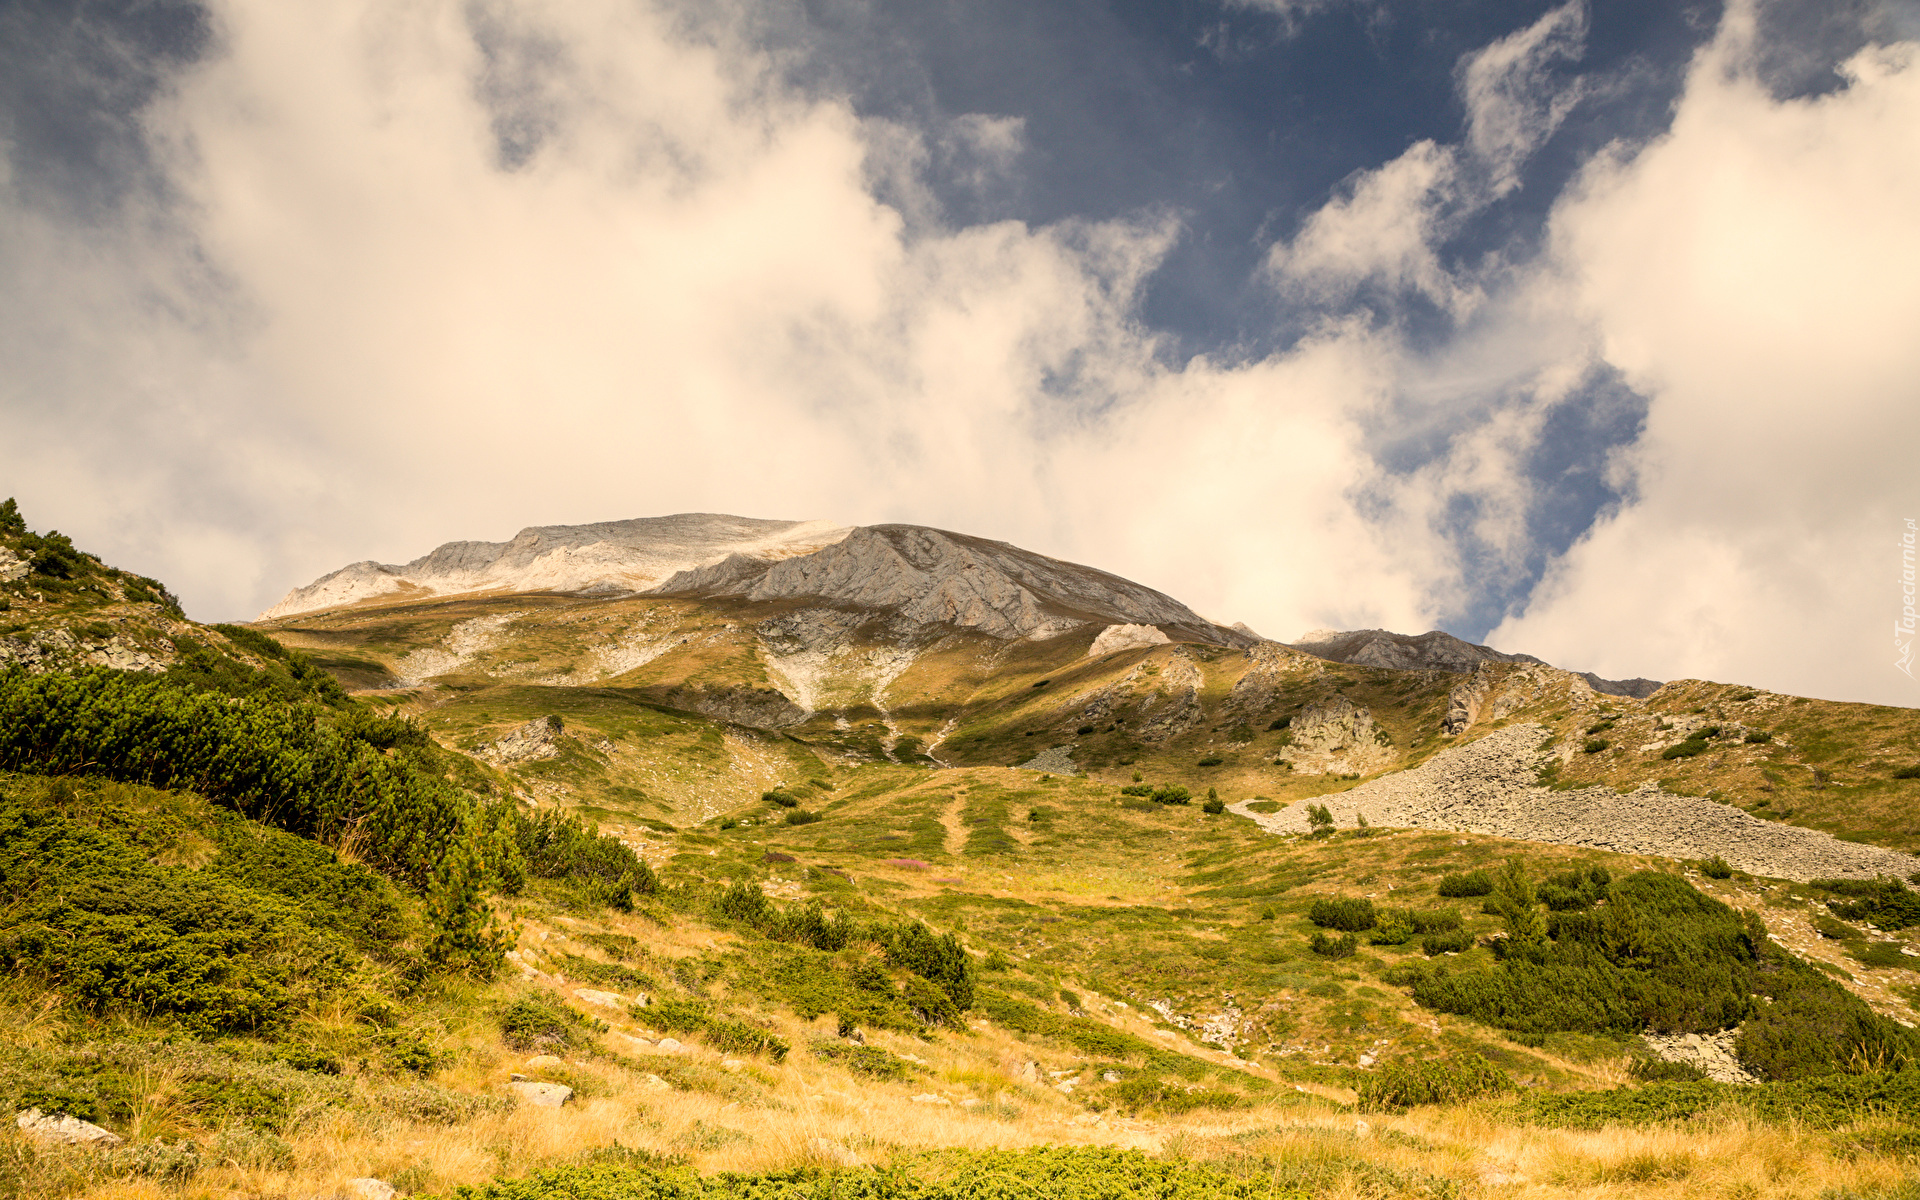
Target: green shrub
(84, 911)
(938, 958)
(1437, 944)
(1171, 793)
(1137, 789)
(1716, 868)
(1594, 745)
(1451, 1080)
(1143, 1092)
(1693, 747)
(1661, 955)
(1211, 760)
(1468, 883)
(801, 816)
(1393, 928)
(1885, 903)
(1326, 947)
(871, 1061)
(1659, 1070)
(1352, 915)
(297, 765)
(541, 1022)
(780, 798)
(1319, 818)
(737, 1037)
(1053, 1172)
(553, 845)
(1912, 772)
(1760, 737)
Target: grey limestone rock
(61, 1129)
(543, 1095)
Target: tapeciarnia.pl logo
(1904, 627)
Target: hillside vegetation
(277, 937)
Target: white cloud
(1388, 225)
(1756, 273)
(1386, 229)
(1513, 104)
(369, 326)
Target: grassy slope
(1829, 767)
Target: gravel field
(1488, 786)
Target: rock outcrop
(537, 739)
(57, 649)
(1126, 637)
(933, 577)
(1436, 650)
(1335, 737)
(609, 556)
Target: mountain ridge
(1438, 650)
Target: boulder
(61, 1129)
(367, 1188)
(545, 1095)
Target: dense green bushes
(295, 765)
(722, 1033)
(1053, 1172)
(1885, 903)
(1350, 915)
(1820, 1103)
(554, 845)
(238, 945)
(1661, 955)
(541, 1022)
(1450, 1080)
(1466, 883)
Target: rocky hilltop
(932, 577)
(1437, 651)
(607, 556)
(917, 575)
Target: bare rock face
(1439, 651)
(1126, 637)
(1464, 701)
(531, 742)
(47, 650)
(1402, 651)
(1336, 737)
(932, 577)
(608, 556)
(12, 566)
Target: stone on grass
(61, 1129)
(545, 1095)
(367, 1188)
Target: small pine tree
(1515, 901)
(1319, 817)
(466, 935)
(10, 519)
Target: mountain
(911, 826)
(1437, 651)
(608, 556)
(920, 576)
(930, 576)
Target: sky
(1587, 330)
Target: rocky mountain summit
(917, 575)
(607, 557)
(1437, 651)
(931, 576)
